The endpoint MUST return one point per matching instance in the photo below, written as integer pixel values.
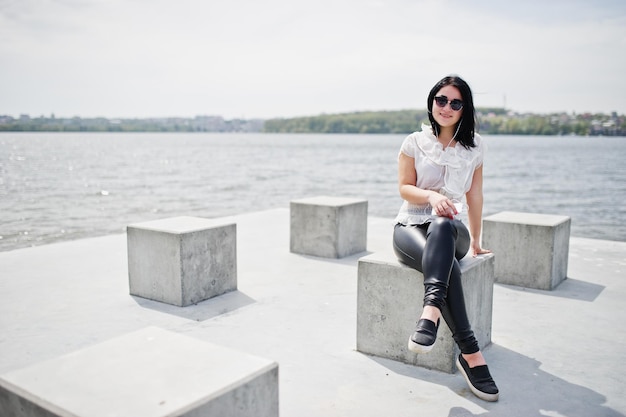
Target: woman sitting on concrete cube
(439, 168)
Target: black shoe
(479, 380)
(423, 339)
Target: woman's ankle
(474, 359)
(431, 313)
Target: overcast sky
(283, 58)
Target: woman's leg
(429, 251)
(446, 253)
(438, 259)
(455, 313)
(433, 249)
(409, 243)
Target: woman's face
(446, 116)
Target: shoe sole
(482, 395)
(416, 348)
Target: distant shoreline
(492, 121)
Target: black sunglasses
(455, 104)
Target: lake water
(61, 186)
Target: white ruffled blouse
(448, 171)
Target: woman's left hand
(477, 250)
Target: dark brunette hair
(465, 135)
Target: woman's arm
(407, 178)
(475, 211)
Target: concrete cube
(532, 249)
(182, 260)
(329, 227)
(390, 296)
(150, 372)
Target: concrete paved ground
(554, 353)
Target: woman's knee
(442, 225)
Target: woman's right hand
(442, 205)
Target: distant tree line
(494, 121)
(100, 124)
(401, 121)
(556, 124)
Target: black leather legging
(434, 249)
